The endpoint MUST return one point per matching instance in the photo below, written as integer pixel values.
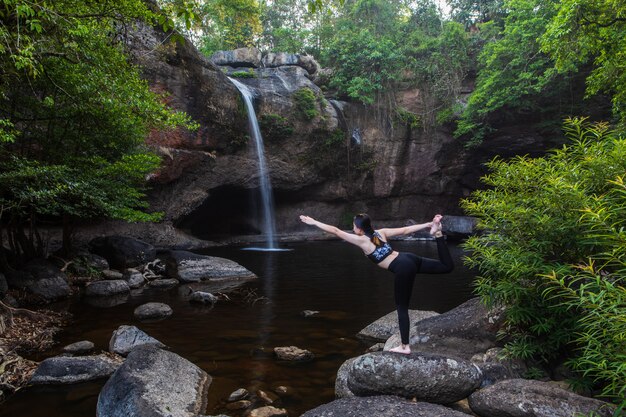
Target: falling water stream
(267, 197)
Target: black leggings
(405, 266)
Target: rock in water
(154, 383)
(381, 406)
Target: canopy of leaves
(553, 252)
(74, 111)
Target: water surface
(233, 340)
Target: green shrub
(275, 126)
(554, 252)
(306, 103)
(249, 73)
(408, 118)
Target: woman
(374, 244)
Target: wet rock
(341, 382)
(496, 368)
(154, 383)
(381, 406)
(293, 353)
(526, 398)
(427, 377)
(110, 274)
(464, 331)
(240, 394)
(134, 278)
(459, 226)
(41, 278)
(266, 397)
(378, 347)
(106, 288)
(190, 267)
(163, 283)
(79, 348)
(153, 311)
(74, 369)
(202, 297)
(268, 411)
(122, 252)
(281, 390)
(310, 313)
(127, 338)
(385, 327)
(239, 405)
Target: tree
(591, 32)
(472, 12)
(554, 253)
(74, 114)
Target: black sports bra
(381, 252)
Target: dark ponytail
(364, 222)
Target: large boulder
(341, 382)
(190, 267)
(127, 338)
(381, 406)
(525, 398)
(41, 278)
(242, 57)
(385, 327)
(74, 369)
(464, 331)
(427, 377)
(153, 311)
(154, 383)
(106, 288)
(122, 252)
(280, 59)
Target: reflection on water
(233, 340)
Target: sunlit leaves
(554, 252)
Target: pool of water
(233, 340)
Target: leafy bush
(554, 252)
(306, 103)
(275, 126)
(243, 74)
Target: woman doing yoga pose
(374, 244)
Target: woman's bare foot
(435, 229)
(404, 349)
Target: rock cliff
(328, 158)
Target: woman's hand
(308, 220)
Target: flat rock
(381, 406)
(127, 338)
(268, 411)
(385, 327)
(293, 353)
(427, 377)
(153, 311)
(529, 398)
(154, 383)
(79, 348)
(190, 267)
(106, 288)
(74, 369)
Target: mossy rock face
(306, 103)
(275, 127)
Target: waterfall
(267, 197)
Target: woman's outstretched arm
(348, 237)
(390, 232)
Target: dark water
(233, 340)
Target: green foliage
(585, 32)
(473, 12)
(275, 126)
(243, 74)
(554, 252)
(74, 113)
(306, 103)
(408, 118)
(228, 24)
(513, 73)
